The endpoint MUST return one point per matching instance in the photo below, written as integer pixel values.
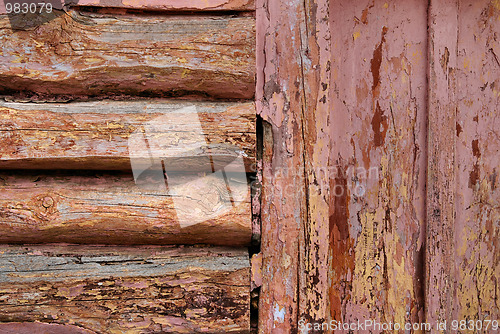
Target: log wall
(383, 116)
(96, 289)
(120, 184)
(99, 135)
(82, 54)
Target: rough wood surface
(279, 102)
(113, 209)
(40, 328)
(440, 274)
(477, 197)
(463, 243)
(174, 5)
(377, 217)
(99, 135)
(79, 54)
(343, 198)
(126, 290)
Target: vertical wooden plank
(313, 251)
(377, 191)
(279, 101)
(440, 275)
(477, 197)
(292, 97)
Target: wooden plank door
(380, 158)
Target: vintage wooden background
(380, 164)
(371, 125)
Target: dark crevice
(161, 12)
(255, 177)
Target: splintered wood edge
(78, 262)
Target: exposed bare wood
(113, 209)
(174, 5)
(256, 270)
(126, 290)
(84, 54)
(97, 135)
(280, 102)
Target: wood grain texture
(316, 78)
(343, 199)
(100, 135)
(40, 328)
(440, 271)
(378, 160)
(476, 243)
(279, 102)
(126, 290)
(78, 54)
(174, 5)
(113, 209)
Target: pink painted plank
(278, 92)
(476, 248)
(158, 5)
(378, 157)
(440, 275)
(173, 5)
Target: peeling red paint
(379, 126)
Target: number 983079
(25, 8)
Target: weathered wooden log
(113, 209)
(125, 290)
(41, 328)
(88, 54)
(107, 135)
(182, 5)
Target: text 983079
(28, 7)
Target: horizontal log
(106, 135)
(98, 289)
(113, 209)
(178, 5)
(79, 54)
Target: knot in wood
(47, 202)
